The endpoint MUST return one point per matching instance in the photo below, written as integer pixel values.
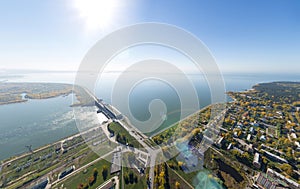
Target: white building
(256, 160)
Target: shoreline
(197, 112)
(18, 156)
(13, 102)
(174, 124)
(13, 93)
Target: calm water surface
(36, 123)
(40, 122)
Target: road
(151, 151)
(117, 181)
(135, 133)
(139, 136)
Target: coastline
(13, 93)
(12, 102)
(174, 124)
(197, 112)
(33, 98)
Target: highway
(134, 132)
(151, 151)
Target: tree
(83, 186)
(236, 153)
(126, 178)
(246, 156)
(80, 186)
(239, 133)
(92, 180)
(264, 160)
(104, 172)
(95, 172)
(196, 131)
(180, 163)
(287, 168)
(162, 174)
(131, 177)
(135, 179)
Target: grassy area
(130, 175)
(173, 177)
(166, 177)
(36, 168)
(125, 137)
(39, 163)
(84, 175)
(228, 170)
(141, 179)
(189, 177)
(91, 156)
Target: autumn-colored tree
(180, 164)
(286, 168)
(196, 131)
(246, 155)
(126, 178)
(95, 172)
(104, 172)
(92, 180)
(80, 186)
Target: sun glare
(97, 14)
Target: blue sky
(243, 36)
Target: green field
(173, 177)
(83, 176)
(141, 179)
(189, 177)
(118, 129)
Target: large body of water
(40, 122)
(143, 93)
(36, 123)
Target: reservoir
(40, 122)
(36, 123)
